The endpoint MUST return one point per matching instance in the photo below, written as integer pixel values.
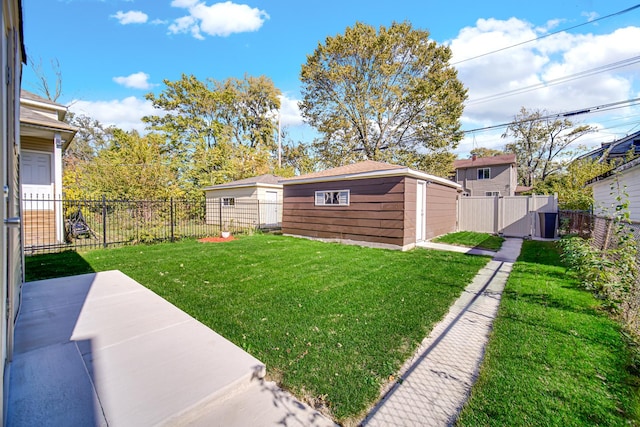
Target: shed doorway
(270, 210)
(421, 220)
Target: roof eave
(251, 184)
(376, 174)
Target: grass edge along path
(554, 357)
(472, 239)
(333, 323)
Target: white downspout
(57, 185)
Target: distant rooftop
(503, 159)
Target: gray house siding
(502, 179)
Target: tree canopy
(570, 183)
(217, 131)
(539, 142)
(386, 95)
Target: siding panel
(375, 212)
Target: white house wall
(605, 196)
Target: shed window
(332, 198)
(229, 201)
(484, 173)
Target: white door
(37, 181)
(421, 218)
(270, 210)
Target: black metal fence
(54, 225)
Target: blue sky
(112, 52)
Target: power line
(589, 110)
(553, 82)
(621, 12)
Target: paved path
(437, 380)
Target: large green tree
(132, 167)
(388, 95)
(539, 139)
(570, 183)
(217, 131)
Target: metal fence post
(259, 225)
(220, 212)
(104, 221)
(171, 218)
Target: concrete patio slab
(105, 338)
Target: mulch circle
(217, 239)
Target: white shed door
(270, 211)
(37, 182)
(421, 207)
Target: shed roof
(266, 180)
(363, 170)
(502, 159)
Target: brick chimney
(473, 157)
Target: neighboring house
(12, 57)
(371, 203)
(617, 150)
(251, 202)
(43, 137)
(608, 187)
(487, 176)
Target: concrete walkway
(436, 381)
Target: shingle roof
(363, 170)
(268, 179)
(25, 94)
(485, 161)
(29, 116)
(355, 168)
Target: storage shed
(247, 203)
(372, 203)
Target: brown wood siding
(375, 212)
(441, 210)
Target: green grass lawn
(554, 358)
(472, 239)
(332, 322)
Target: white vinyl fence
(512, 216)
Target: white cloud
(131, 17)
(124, 113)
(138, 80)
(539, 62)
(219, 19)
(290, 112)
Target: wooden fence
(512, 216)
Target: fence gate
(512, 216)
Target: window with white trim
(229, 201)
(484, 173)
(332, 198)
(492, 193)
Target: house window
(492, 193)
(484, 173)
(332, 198)
(229, 201)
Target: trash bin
(548, 224)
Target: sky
(113, 52)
